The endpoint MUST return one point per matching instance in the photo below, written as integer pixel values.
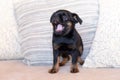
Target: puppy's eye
(64, 18)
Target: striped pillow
(36, 31)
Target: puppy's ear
(51, 18)
(77, 18)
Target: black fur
(66, 42)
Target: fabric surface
(15, 70)
(36, 31)
(9, 41)
(105, 50)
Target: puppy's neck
(70, 34)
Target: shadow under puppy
(66, 40)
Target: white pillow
(36, 31)
(9, 41)
(105, 50)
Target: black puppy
(66, 40)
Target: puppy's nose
(59, 28)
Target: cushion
(35, 29)
(105, 51)
(9, 40)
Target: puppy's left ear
(51, 18)
(77, 18)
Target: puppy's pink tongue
(59, 28)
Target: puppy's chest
(62, 40)
(64, 44)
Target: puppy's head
(63, 22)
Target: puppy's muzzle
(59, 29)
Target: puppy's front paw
(61, 64)
(65, 60)
(74, 70)
(53, 70)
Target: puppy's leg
(80, 53)
(74, 66)
(56, 62)
(80, 60)
(66, 58)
